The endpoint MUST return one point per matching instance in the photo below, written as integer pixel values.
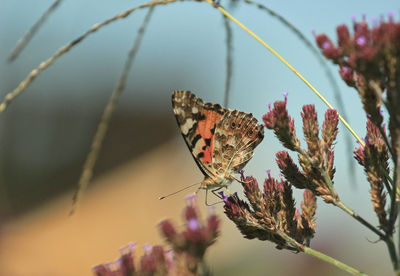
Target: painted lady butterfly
(221, 140)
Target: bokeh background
(46, 133)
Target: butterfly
(221, 140)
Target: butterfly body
(221, 140)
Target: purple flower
(346, 70)
(170, 256)
(361, 41)
(193, 224)
(190, 199)
(147, 247)
(326, 45)
(364, 16)
(314, 33)
(223, 197)
(128, 248)
(241, 172)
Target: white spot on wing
(195, 109)
(187, 126)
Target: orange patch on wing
(207, 155)
(204, 128)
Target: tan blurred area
(121, 207)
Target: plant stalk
(321, 256)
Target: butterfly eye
(239, 125)
(233, 124)
(251, 132)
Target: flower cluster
(369, 61)
(156, 261)
(317, 161)
(272, 215)
(374, 157)
(191, 244)
(186, 256)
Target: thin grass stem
(66, 48)
(275, 53)
(321, 255)
(24, 40)
(102, 128)
(229, 59)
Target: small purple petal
(269, 106)
(313, 32)
(361, 41)
(383, 126)
(193, 224)
(225, 198)
(285, 94)
(147, 247)
(118, 262)
(391, 15)
(381, 112)
(127, 249)
(353, 18)
(326, 45)
(364, 16)
(221, 194)
(170, 255)
(374, 21)
(191, 199)
(345, 70)
(242, 174)
(268, 172)
(235, 194)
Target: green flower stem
(388, 239)
(342, 206)
(392, 252)
(321, 256)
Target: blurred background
(45, 134)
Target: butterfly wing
(236, 136)
(198, 120)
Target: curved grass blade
(102, 128)
(23, 41)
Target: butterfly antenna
(174, 193)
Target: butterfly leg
(216, 194)
(238, 180)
